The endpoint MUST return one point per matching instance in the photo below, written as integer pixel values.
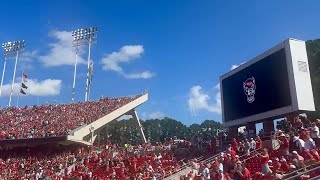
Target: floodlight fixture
(11, 49)
(81, 37)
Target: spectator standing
(258, 143)
(234, 144)
(247, 146)
(284, 144)
(206, 172)
(264, 162)
(253, 144)
(314, 130)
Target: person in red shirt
(308, 157)
(276, 168)
(258, 143)
(284, 144)
(242, 171)
(285, 167)
(234, 144)
(315, 155)
(264, 162)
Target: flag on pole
(22, 92)
(90, 72)
(24, 75)
(24, 86)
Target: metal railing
(306, 172)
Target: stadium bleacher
(54, 119)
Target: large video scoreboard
(274, 83)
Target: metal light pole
(12, 49)
(88, 69)
(4, 69)
(83, 37)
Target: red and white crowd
(75, 162)
(54, 119)
(297, 152)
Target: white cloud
(62, 51)
(152, 115)
(126, 54)
(199, 100)
(48, 87)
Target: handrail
(315, 178)
(295, 171)
(183, 167)
(186, 165)
(249, 154)
(213, 157)
(298, 175)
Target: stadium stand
(54, 119)
(295, 154)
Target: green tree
(313, 51)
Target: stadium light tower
(11, 49)
(83, 37)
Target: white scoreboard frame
(299, 82)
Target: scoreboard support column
(268, 126)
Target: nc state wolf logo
(249, 87)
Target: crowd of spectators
(54, 119)
(297, 152)
(109, 161)
(41, 162)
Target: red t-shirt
(234, 144)
(307, 156)
(285, 142)
(285, 166)
(246, 174)
(276, 166)
(233, 152)
(259, 144)
(264, 160)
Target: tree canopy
(313, 51)
(158, 130)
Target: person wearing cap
(264, 162)
(285, 167)
(297, 160)
(299, 142)
(276, 166)
(284, 144)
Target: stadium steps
(80, 133)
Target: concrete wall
(79, 134)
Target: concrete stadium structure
(87, 133)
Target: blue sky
(177, 49)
